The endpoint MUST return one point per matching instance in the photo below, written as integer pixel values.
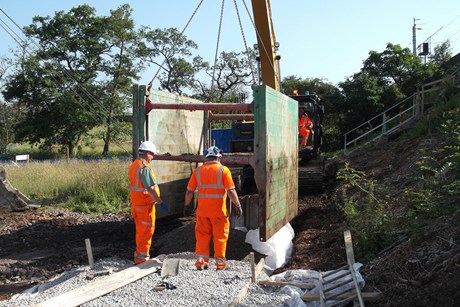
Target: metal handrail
(380, 114)
(416, 108)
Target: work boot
(221, 266)
(139, 261)
(140, 257)
(201, 264)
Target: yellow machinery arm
(266, 43)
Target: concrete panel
(276, 166)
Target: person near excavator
(305, 128)
(144, 195)
(213, 181)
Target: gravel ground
(215, 288)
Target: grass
(97, 186)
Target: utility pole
(414, 37)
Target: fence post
(345, 144)
(384, 123)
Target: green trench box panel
(276, 164)
(174, 132)
(275, 153)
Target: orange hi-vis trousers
(218, 228)
(144, 219)
(304, 134)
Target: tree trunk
(107, 139)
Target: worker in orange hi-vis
(213, 181)
(305, 128)
(144, 195)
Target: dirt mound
(409, 272)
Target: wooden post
(90, 253)
(253, 270)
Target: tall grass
(98, 186)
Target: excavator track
(311, 176)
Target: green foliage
(168, 50)
(81, 78)
(93, 186)
(439, 177)
(444, 110)
(386, 78)
(366, 211)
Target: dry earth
(38, 244)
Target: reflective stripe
(217, 185)
(146, 223)
(136, 182)
(211, 195)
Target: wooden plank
(351, 262)
(367, 296)
(273, 283)
(103, 286)
(244, 291)
(349, 246)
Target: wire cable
(173, 46)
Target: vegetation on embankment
(380, 214)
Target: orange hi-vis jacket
(212, 180)
(137, 192)
(305, 124)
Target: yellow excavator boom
(266, 43)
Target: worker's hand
(164, 206)
(238, 210)
(188, 210)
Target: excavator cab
(310, 104)
(311, 164)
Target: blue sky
(324, 39)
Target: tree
(5, 65)
(169, 50)
(56, 82)
(440, 58)
(7, 121)
(119, 68)
(229, 76)
(396, 66)
(79, 79)
(385, 79)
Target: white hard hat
(148, 146)
(213, 151)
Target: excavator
(311, 171)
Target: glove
(164, 206)
(188, 210)
(238, 210)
